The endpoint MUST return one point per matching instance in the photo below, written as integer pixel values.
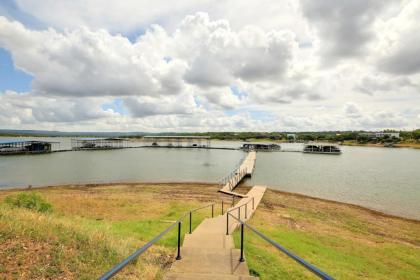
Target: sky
(202, 65)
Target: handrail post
(222, 208)
(253, 203)
(178, 256)
(212, 210)
(241, 259)
(190, 221)
(227, 223)
(239, 212)
(246, 210)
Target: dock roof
(177, 136)
(5, 142)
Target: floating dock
(245, 168)
(25, 147)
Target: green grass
(84, 247)
(340, 257)
(31, 201)
(92, 229)
(344, 241)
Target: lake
(383, 179)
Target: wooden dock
(245, 168)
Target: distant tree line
(331, 136)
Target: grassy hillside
(348, 242)
(89, 229)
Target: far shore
(241, 189)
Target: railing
(245, 205)
(298, 259)
(233, 173)
(141, 250)
(234, 177)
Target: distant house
(372, 135)
(389, 134)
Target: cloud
(345, 27)
(95, 63)
(86, 63)
(219, 55)
(352, 110)
(168, 105)
(200, 72)
(400, 43)
(380, 83)
(27, 108)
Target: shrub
(30, 201)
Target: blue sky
(10, 77)
(276, 65)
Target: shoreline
(209, 184)
(371, 145)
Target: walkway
(245, 169)
(208, 253)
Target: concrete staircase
(208, 253)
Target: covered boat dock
(9, 147)
(98, 143)
(321, 148)
(260, 147)
(179, 141)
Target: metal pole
(242, 243)
(178, 256)
(227, 223)
(246, 210)
(212, 210)
(222, 208)
(190, 221)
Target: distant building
(382, 134)
(390, 134)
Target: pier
(208, 252)
(245, 168)
(178, 141)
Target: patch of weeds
(31, 201)
(253, 272)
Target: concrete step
(212, 261)
(208, 240)
(199, 276)
(195, 260)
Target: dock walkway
(209, 253)
(245, 169)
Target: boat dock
(245, 168)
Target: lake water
(384, 179)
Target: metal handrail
(142, 249)
(239, 206)
(227, 178)
(298, 259)
(239, 211)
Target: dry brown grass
(64, 244)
